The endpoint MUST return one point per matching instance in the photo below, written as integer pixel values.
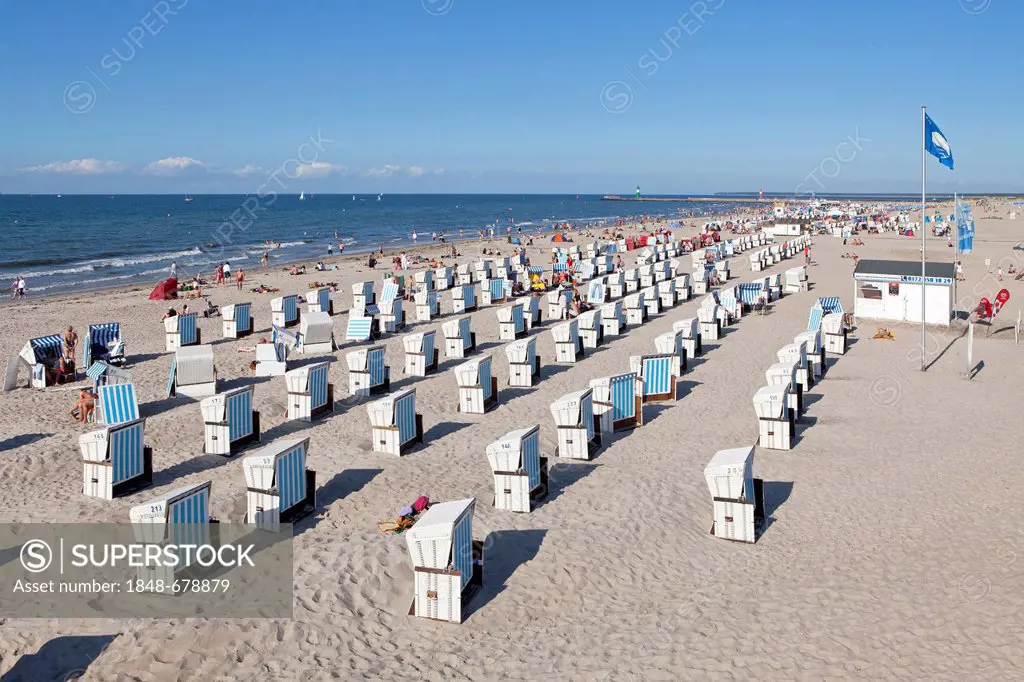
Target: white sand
(892, 553)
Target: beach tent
(164, 291)
(559, 237)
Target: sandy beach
(891, 551)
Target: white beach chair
(568, 345)
(785, 374)
(511, 322)
(657, 379)
(359, 326)
(115, 460)
(363, 296)
(635, 309)
(230, 422)
(421, 357)
(279, 487)
(427, 305)
(319, 301)
(531, 310)
(590, 328)
(316, 334)
(495, 291)
(613, 321)
(835, 333)
(463, 274)
(482, 270)
(616, 285)
(179, 517)
(797, 352)
(394, 424)
(667, 293)
(617, 402)
(671, 343)
(709, 321)
(442, 278)
(458, 338)
(367, 372)
(662, 270)
(463, 298)
(578, 435)
(523, 363)
(815, 352)
(193, 373)
(722, 268)
(775, 286)
(737, 496)
(424, 280)
(478, 387)
(284, 311)
(237, 320)
(700, 281)
(558, 303)
(652, 301)
(104, 342)
(271, 359)
(182, 330)
(632, 279)
(756, 261)
(796, 280)
(447, 562)
(689, 333)
(776, 419)
(392, 317)
(310, 394)
(646, 275)
(683, 289)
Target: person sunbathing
(85, 406)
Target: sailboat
(379, 196)
(188, 199)
(302, 195)
(353, 197)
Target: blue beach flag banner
(936, 144)
(964, 228)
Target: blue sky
(524, 96)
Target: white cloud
(172, 164)
(439, 171)
(248, 169)
(318, 169)
(416, 171)
(384, 171)
(78, 167)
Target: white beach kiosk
(892, 290)
(447, 562)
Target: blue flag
(964, 228)
(935, 143)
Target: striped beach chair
(427, 305)
(230, 422)
(238, 320)
(310, 394)
(116, 404)
(116, 460)
(179, 517)
(752, 295)
(279, 487)
(40, 353)
(531, 311)
(421, 355)
(523, 363)
(459, 339)
(815, 317)
(493, 291)
(578, 436)
(442, 278)
(181, 331)
(568, 345)
(359, 326)
(104, 342)
(671, 343)
(392, 317)
(463, 298)
(657, 378)
(511, 322)
(478, 387)
(830, 304)
(447, 561)
(395, 426)
(102, 373)
(520, 473)
(367, 372)
(617, 403)
(319, 301)
(284, 311)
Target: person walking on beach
(70, 341)
(330, 249)
(405, 262)
(218, 277)
(174, 269)
(414, 236)
(239, 278)
(227, 271)
(265, 259)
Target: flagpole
(956, 248)
(924, 171)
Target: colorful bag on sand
(421, 503)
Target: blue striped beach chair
(511, 322)
(230, 421)
(238, 320)
(535, 270)
(459, 339)
(116, 460)
(655, 372)
(358, 328)
(395, 425)
(368, 372)
(618, 404)
(310, 394)
(103, 373)
(391, 316)
(463, 298)
(116, 404)
(179, 517)
(284, 311)
(279, 487)
(830, 304)
(478, 387)
(42, 352)
(494, 291)
(814, 319)
(520, 473)
(578, 436)
(319, 301)
(103, 342)
(181, 331)
(568, 344)
(751, 294)
(523, 362)
(447, 562)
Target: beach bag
(421, 503)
